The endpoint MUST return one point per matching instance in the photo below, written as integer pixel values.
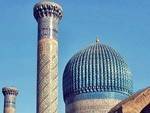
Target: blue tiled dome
(94, 73)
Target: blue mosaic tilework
(98, 68)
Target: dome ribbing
(94, 71)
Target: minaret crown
(10, 91)
(46, 8)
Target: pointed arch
(137, 103)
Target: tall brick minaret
(10, 94)
(48, 14)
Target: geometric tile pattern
(47, 76)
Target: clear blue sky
(122, 24)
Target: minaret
(10, 94)
(48, 14)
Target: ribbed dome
(96, 72)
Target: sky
(121, 24)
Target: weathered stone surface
(134, 104)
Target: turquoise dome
(96, 72)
